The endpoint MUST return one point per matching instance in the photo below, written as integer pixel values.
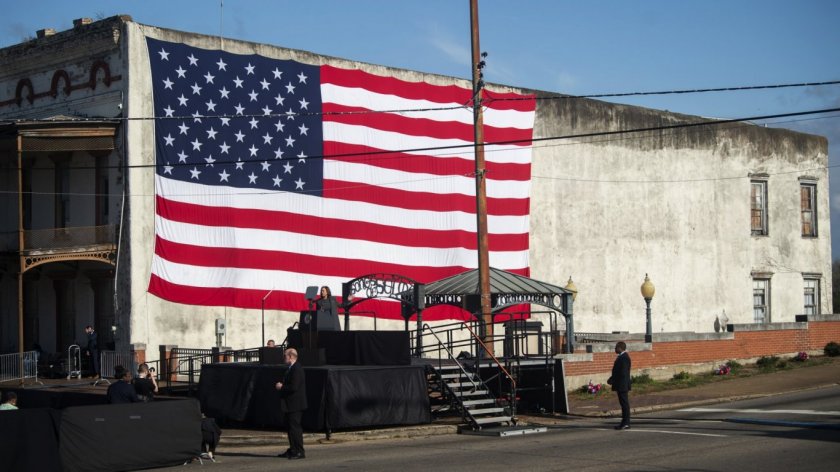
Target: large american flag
(274, 175)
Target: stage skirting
(100, 437)
(339, 397)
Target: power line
(672, 92)
(703, 122)
(465, 106)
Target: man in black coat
(121, 391)
(620, 381)
(93, 349)
(293, 403)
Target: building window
(761, 300)
(758, 206)
(812, 296)
(808, 203)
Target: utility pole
(480, 182)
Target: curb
(279, 438)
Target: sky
(563, 46)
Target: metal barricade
(19, 366)
(74, 362)
(109, 360)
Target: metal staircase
(458, 383)
(469, 395)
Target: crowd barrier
(19, 366)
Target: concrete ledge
(765, 326)
(679, 337)
(816, 318)
(610, 347)
(576, 357)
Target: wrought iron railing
(59, 238)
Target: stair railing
(428, 328)
(501, 369)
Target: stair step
(459, 375)
(493, 419)
(485, 411)
(480, 401)
(448, 368)
(471, 393)
(463, 385)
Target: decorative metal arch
(106, 256)
(380, 285)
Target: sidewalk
(738, 388)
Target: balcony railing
(60, 238)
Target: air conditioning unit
(221, 326)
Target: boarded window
(758, 206)
(808, 203)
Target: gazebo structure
(462, 290)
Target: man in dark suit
(121, 391)
(620, 381)
(93, 350)
(293, 403)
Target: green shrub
(832, 349)
(641, 379)
(767, 362)
(683, 375)
(782, 364)
(735, 366)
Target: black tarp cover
(129, 436)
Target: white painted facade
(674, 204)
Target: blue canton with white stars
(236, 120)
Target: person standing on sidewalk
(293, 403)
(620, 381)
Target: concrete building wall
(674, 204)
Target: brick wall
(787, 338)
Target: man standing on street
(93, 350)
(293, 403)
(620, 381)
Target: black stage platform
(339, 397)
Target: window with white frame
(812, 296)
(808, 204)
(758, 207)
(761, 300)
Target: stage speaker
(312, 357)
(271, 356)
(221, 326)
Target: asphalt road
(798, 431)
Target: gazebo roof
(506, 288)
(501, 282)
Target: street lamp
(647, 293)
(570, 286)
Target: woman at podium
(327, 307)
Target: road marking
(758, 410)
(669, 432)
